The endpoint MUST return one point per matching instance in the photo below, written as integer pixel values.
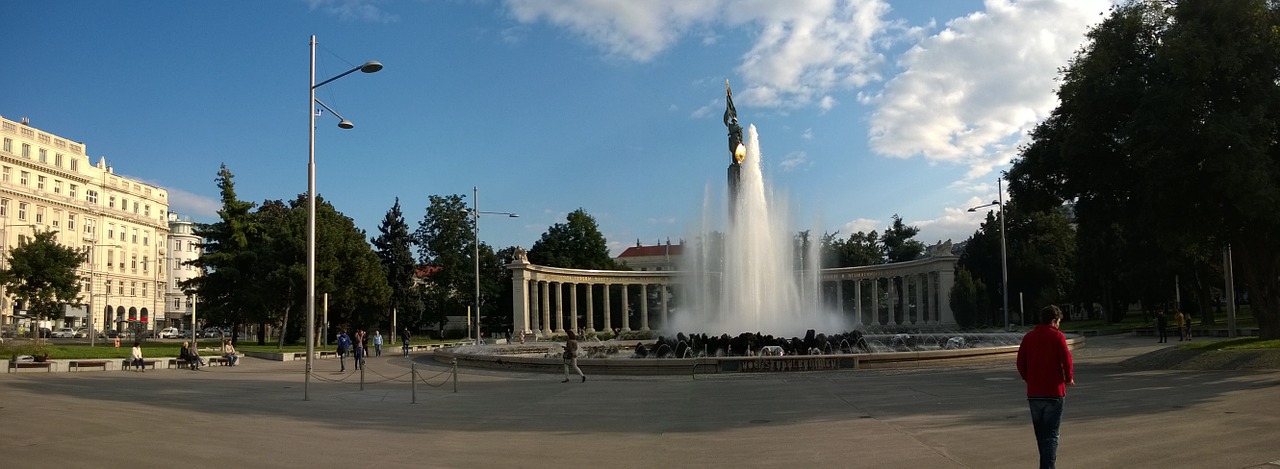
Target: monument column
(840, 296)
(626, 310)
(875, 302)
(857, 301)
(559, 307)
(921, 315)
(663, 298)
(607, 325)
(545, 301)
(573, 307)
(520, 295)
(644, 306)
(591, 314)
(946, 280)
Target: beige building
(659, 257)
(47, 183)
(183, 246)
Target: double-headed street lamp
(93, 271)
(369, 67)
(475, 213)
(1004, 256)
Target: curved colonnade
(550, 299)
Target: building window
(57, 160)
(133, 262)
(111, 259)
(112, 203)
(39, 214)
(26, 150)
(71, 222)
(23, 180)
(57, 218)
(135, 207)
(57, 186)
(147, 211)
(75, 164)
(146, 238)
(120, 289)
(145, 264)
(135, 236)
(177, 303)
(177, 243)
(71, 191)
(191, 246)
(5, 172)
(8, 145)
(44, 155)
(91, 196)
(144, 289)
(88, 227)
(40, 183)
(124, 204)
(22, 210)
(133, 288)
(111, 231)
(4, 208)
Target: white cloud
(635, 30)
(970, 92)
(193, 205)
(864, 225)
(793, 160)
(354, 10)
(714, 108)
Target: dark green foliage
(970, 303)
(393, 248)
(43, 274)
(575, 244)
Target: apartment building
(183, 246)
(49, 183)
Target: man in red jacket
(1044, 361)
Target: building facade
(49, 183)
(183, 246)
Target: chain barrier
(415, 377)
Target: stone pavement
(965, 415)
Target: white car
(65, 333)
(170, 333)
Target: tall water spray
(747, 280)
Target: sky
(865, 108)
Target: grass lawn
(1240, 343)
(1244, 319)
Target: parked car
(64, 333)
(82, 333)
(108, 334)
(170, 333)
(45, 332)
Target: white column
(573, 307)
(559, 307)
(663, 298)
(626, 308)
(921, 316)
(840, 295)
(607, 307)
(875, 302)
(644, 306)
(546, 307)
(857, 300)
(520, 295)
(946, 280)
(591, 319)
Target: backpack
(343, 343)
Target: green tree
(43, 274)
(576, 244)
(229, 287)
(969, 300)
(394, 248)
(898, 243)
(444, 239)
(859, 249)
(1165, 139)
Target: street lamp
(93, 271)
(1004, 256)
(368, 67)
(475, 213)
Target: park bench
(15, 365)
(177, 363)
(127, 364)
(325, 353)
(75, 365)
(218, 361)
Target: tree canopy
(42, 272)
(576, 243)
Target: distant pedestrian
(404, 341)
(1186, 328)
(135, 357)
(357, 348)
(377, 343)
(1044, 362)
(571, 356)
(1178, 321)
(344, 344)
(1162, 327)
(364, 343)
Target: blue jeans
(1046, 417)
(342, 360)
(377, 350)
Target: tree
(229, 287)
(575, 244)
(393, 246)
(969, 300)
(43, 274)
(898, 244)
(444, 239)
(1165, 138)
(858, 250)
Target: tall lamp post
(93, 272)
(1004, 255)
(368, 67)
(475, 213)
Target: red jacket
(1044, 361)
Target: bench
(127, 364)
(177, 363)
(14, 366)
(325, 353)
(218, 361)
(75, 365)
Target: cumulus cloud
(634, 30)
(354, 10)
(864, 225)
(793, 160)
(194, 205)
(968, 93)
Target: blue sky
(865, 108)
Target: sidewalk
(970, 415)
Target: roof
(648, 251)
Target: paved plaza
(966, 415)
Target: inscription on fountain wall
(788, 364)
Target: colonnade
(550, 300)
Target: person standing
(404, 341)
(344, 344)
(357, 348)
(1178, 323)
(1186, 328)
(377, 343)
(1044, 362)
(1162, 327)
(135, 357)
(571, 356)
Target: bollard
(413, 381)
(455, 375)
(362, 378)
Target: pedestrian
(404, 341)
(571, 356)
(1162, 326)
(1186, 328)
(1178, 323)
(1044, 362)
(364, 344)
(357, 348)
(229, 352)
(344, 344)
(135, 357)
(377, 343)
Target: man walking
(344, 344)
(1044, 362)
(404, 340)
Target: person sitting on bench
(229, 352)
(193, 357)
(135, 357)
(184, 354)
